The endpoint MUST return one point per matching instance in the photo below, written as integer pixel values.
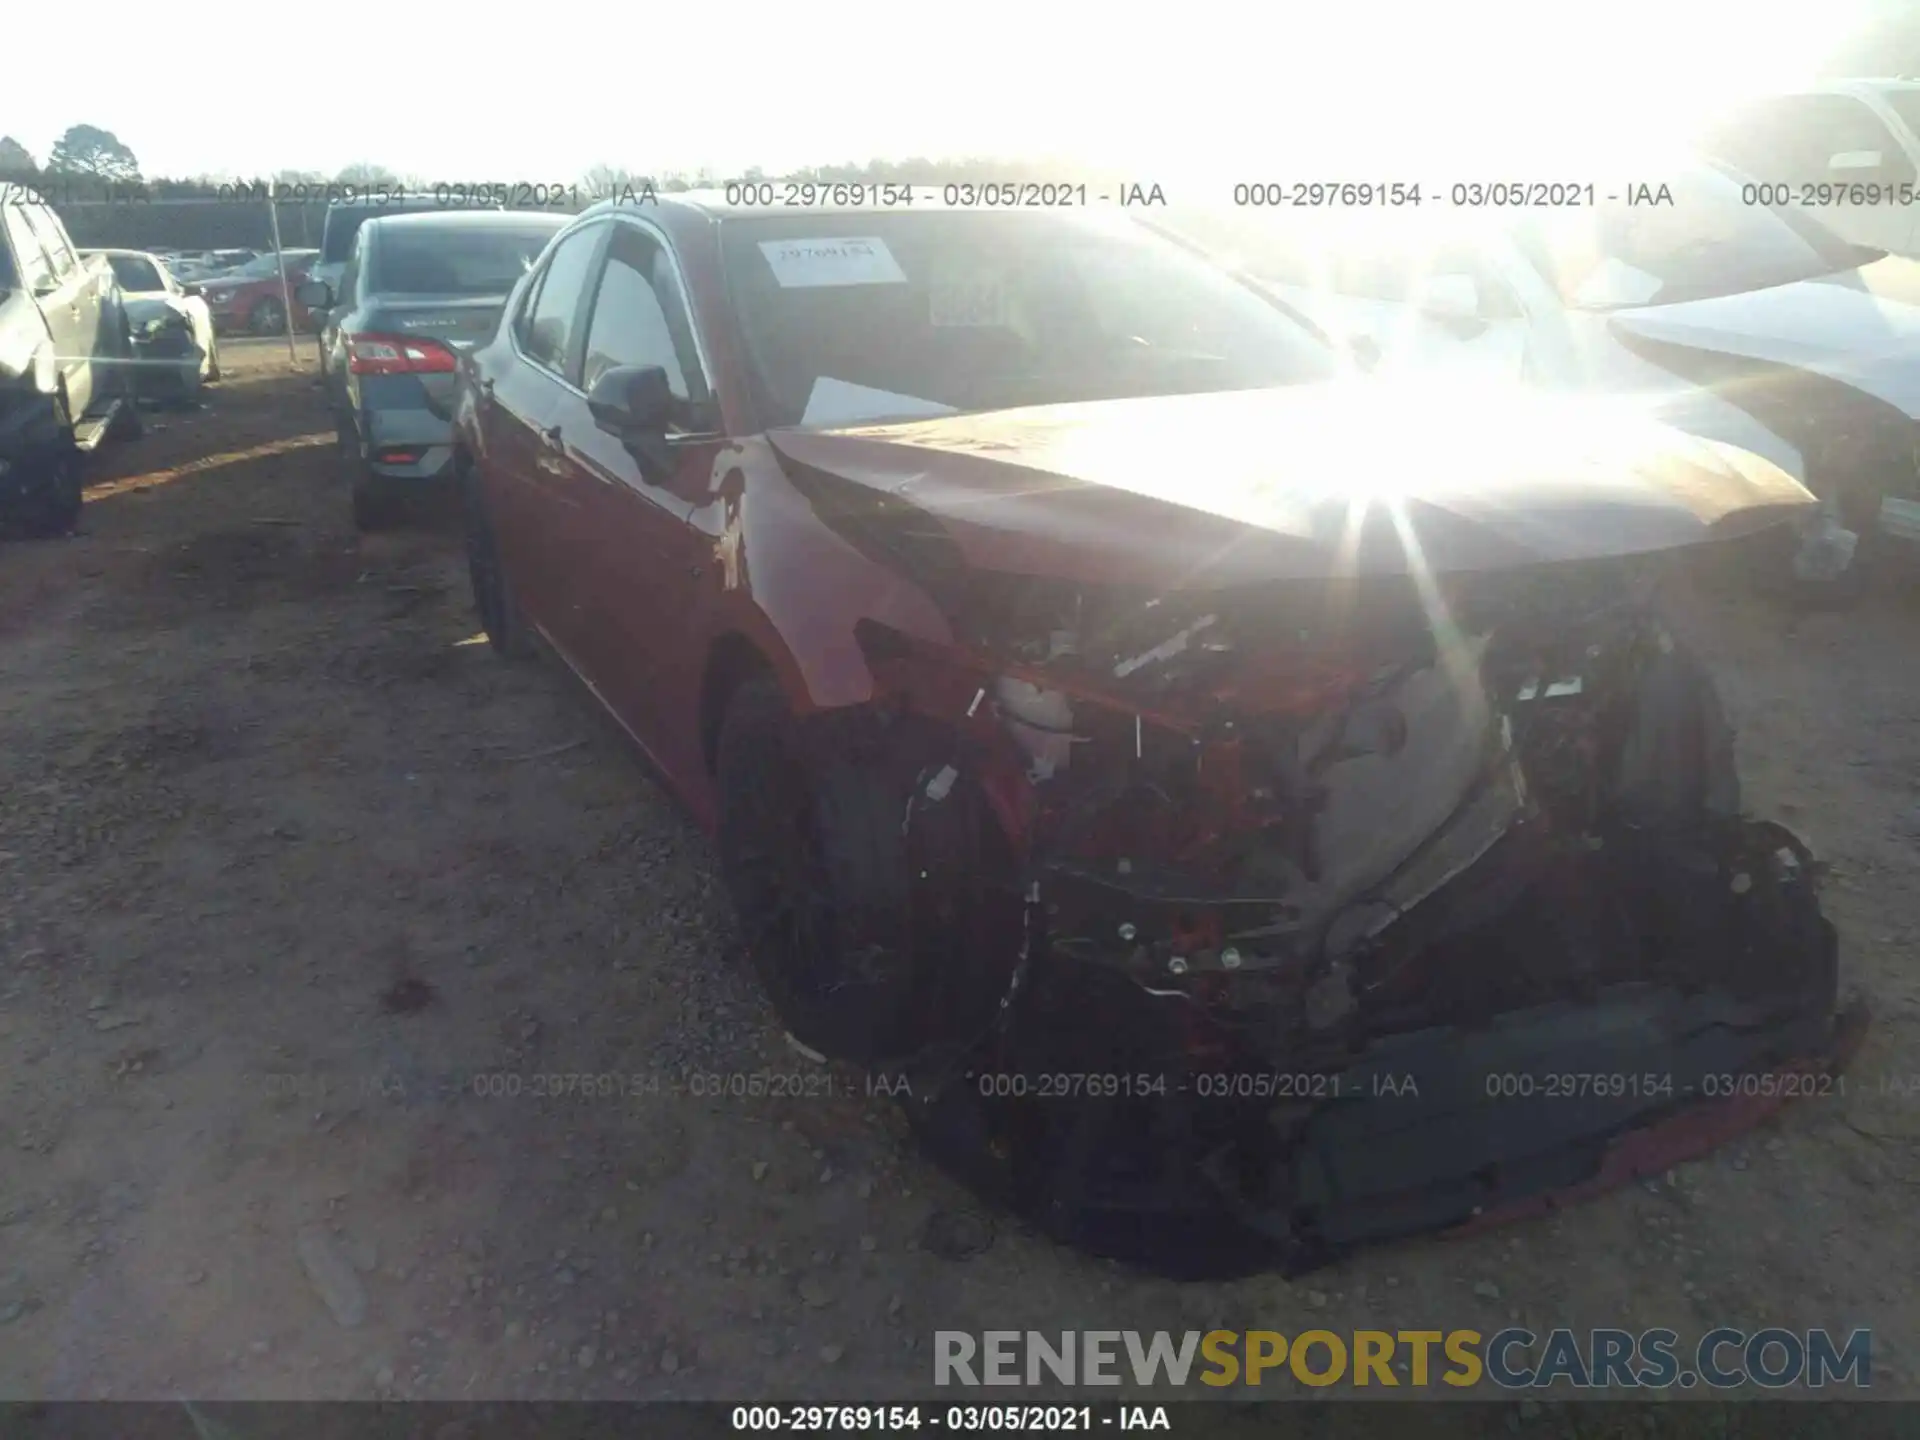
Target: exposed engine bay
(1250, 924)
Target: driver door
(641, 561)
(67, 296)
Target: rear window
(344, 222)
(136, 273)
(455, 260)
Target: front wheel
(874, 937)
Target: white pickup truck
(1846, 150)
(66, 373)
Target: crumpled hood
(1861, 327)
(1300, 482)
(141, 307)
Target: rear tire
(493, 599)
(267, 318)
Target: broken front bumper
(1567, 1015)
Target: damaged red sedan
(1260, 812)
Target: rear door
(536, 517)
(640, 562)
(72, 305)
(333, 343)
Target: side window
(545, 327)
(640, 318)
(1794, 140)
(36, 270)
(52, 240)
(350, 277)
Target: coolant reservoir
(1383, 806)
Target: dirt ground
(301, 887)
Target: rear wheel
(493, 597)
(269, 317)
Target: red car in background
(250, 298)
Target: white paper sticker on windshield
(855, 260)
(839, 402)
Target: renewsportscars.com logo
(1512, 1359)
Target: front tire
(788, 875)
(267, 318)
(874, 938)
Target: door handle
(552, 436)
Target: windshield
(1705, 241)
(137, 274)
(857, 318)
(453, 260)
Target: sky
(1198, 93)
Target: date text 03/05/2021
(823, 1083)
(1268, 194)
(865, 1419)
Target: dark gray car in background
(417, 289)
(342, 226)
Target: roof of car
(136, 254)
(489, 219)
(713, 204)
(1860, 86)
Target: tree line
(89, 153)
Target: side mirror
(635, 403)
(1365, 351)
(314, 294)
(192, 290)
